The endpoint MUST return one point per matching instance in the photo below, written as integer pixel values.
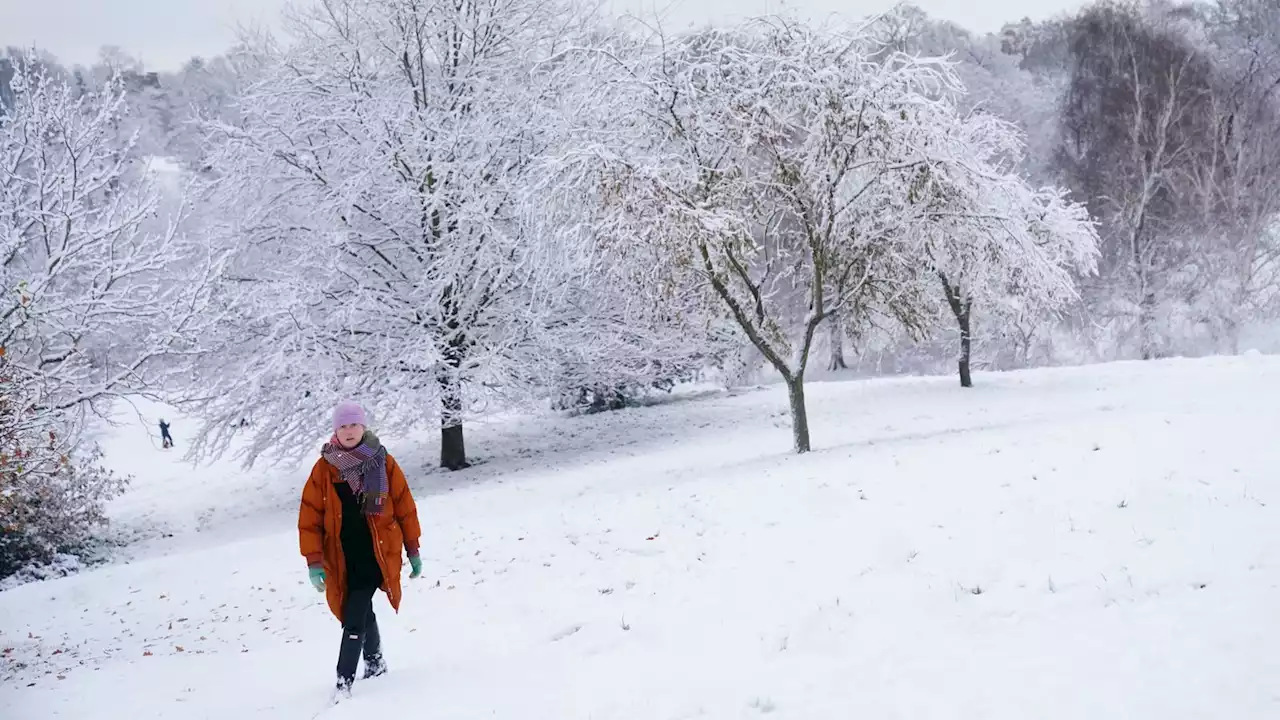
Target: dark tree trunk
(799, 415)
(752, 324)
(453, 448)
(962, 308)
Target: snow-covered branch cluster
(101, 295)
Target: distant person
(356, 517)
(165, 438)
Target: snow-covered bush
(51, 494)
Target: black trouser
(359, 632)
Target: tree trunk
(1234, 321)
(799, 415)
(1233, 336)
(966, 344)
(1146, 294)
(962, 308)
(835, 330)
(453, 449)
(1147, 326)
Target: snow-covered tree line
(1157, 115)
(448, 206)
(103, 297)
(453, 207)
(1165, 126)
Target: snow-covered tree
(201, 92)
(991, 238)
(380, 192)
(994, 84)
(1237, 271)
(1041, 48)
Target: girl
(356, 515)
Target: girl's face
(349, 435)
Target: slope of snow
(1095, 542)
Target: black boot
(374, 665)
(348, 659)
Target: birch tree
(1238, 278)
(1136, 125)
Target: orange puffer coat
(320, 520)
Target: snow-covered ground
(1097, 542)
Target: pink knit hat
(348, 413)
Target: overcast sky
(165, 33)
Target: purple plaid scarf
(364, 468)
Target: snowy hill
(1097, 542)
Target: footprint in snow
(567, 632)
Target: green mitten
(316, 573)
(415, 562)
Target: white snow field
(1085, 543)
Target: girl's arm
(406, 509)
(311, 521)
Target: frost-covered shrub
(52, 496)
(602, 398)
